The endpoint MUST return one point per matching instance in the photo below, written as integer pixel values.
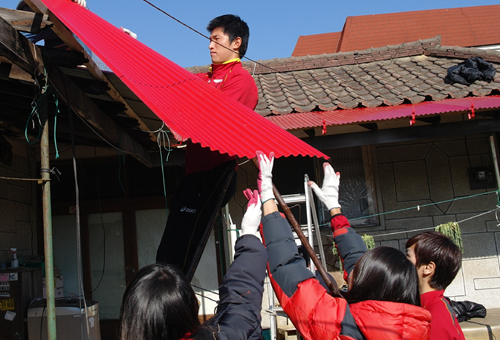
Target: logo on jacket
(188, 210)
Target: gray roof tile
(392, 75)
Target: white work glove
(129, 32)
(329, 193)
(251, 220)
(265, 179)
(82, 3)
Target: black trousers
(192, 216)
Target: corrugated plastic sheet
(188, 106)
(366, 115)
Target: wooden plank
(24, 56)
(67, 36)
(12, 48)
(23, 20)
(89, 111)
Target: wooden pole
(47, 232)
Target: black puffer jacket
(469, 71)
(238, 313)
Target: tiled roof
(465, 26)
(375, 78)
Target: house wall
(18, 204)
(427, 172)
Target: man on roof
(210, 177)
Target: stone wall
(425, 184)
(18, 204)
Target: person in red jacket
(210, 177)
(438, 260)
(383, 298)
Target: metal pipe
(309, 224)
(47, 233)
(495, 159)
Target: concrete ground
(487, 328)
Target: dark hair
(384, 274)
(303, 252)
(158, 304)
(234, 27)
(436, 247)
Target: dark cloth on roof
(474, 68)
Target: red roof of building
(464, 26)
(306, 120)
(316, 44)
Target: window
(357, 194)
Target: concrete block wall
(413, 177)
(18, 204)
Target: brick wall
(17, 204)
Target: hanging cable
(432, 228)
(208, 38)
(56, 102)
(418, 207)
(161, 138)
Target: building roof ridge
(341, 58)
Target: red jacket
(234, 80)
(318, 315)
(391, 320)
(444, 324)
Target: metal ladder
(312, 220)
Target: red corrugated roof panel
(364, 115)
(188, 106)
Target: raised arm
(238, 315)
(349, 244)
(315, 313)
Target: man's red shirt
(444, 324)
(232, 79)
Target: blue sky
(275, 25)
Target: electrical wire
(432, 228)
(206, 37)
(418, 207)
(103, 231)
(206, 290)
(81, 290)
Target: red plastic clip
(472, 112)
(323, 130)
(412, 118)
